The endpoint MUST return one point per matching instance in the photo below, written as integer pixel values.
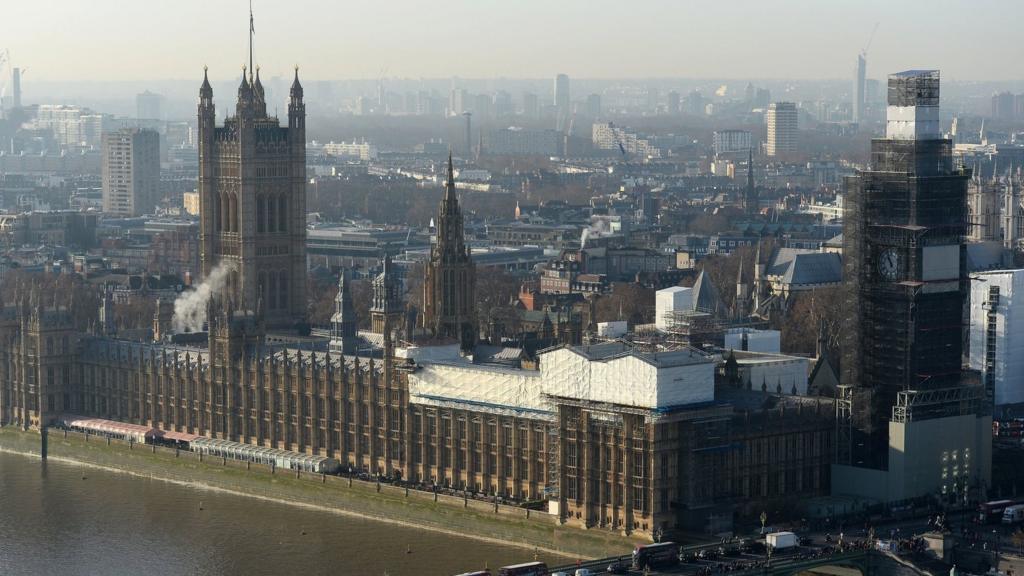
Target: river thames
(52, 521)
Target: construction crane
(864, 51)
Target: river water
(52, 521)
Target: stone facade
(252, 200)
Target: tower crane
(864, 51)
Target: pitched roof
(800, 266)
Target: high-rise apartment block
(729, 141)
(781, 118)
(131, 172)
(148, 106)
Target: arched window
(261, 287)
(261, 213)
(216, 212)
(282, 213)
(1020, 222)
(271, 214)
(283, 294)
(233, 216)
(272, 292)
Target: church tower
(449, 288)
(252, 201)
(386, 308)
(343, 322)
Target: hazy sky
(149, 39)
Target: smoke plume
(190, 307)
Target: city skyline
(409, 40)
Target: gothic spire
(205, 91)
(296, 89)
(244, 89)
(449, 183)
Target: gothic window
(261, 286)
(282, 213)
(271, 215)
(261, 213)
(272, 292)
(283, 294)
(234, 213)
(1020, 222)
(216, 212)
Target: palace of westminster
(614, 436)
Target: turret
(343, 322)
(245, 96)
(296, 107)
(259, 96)
(205, 93)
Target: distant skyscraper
(858, 88)
(531, 105)
(16, 87)
(131, 172)
(782, 129)
(147, 106)
(1003, 105)
(673, 102)
(594, 106)
(561, 100)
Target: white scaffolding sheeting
(642, 380)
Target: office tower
(147, 106)
(502, 104)
(782, 123)
(482, 107)
(1003, 105)
(468, 144)
(16, 87)
(531, 105)
(859, 86)
(131, 172)
(673, 102)
(594, 106)
(449, 287)
(252, 195)
(903, 407)
(561, 99)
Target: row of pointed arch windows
(271, 212)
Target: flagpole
(252, 29)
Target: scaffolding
(904, 327)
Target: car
(806, 541)
(708, 554)
(688, 557)
(754, 547)
(618, 568)
(732, 551)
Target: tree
(807, 313)
(628, 301)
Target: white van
(1013, 514)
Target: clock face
(889, 264)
